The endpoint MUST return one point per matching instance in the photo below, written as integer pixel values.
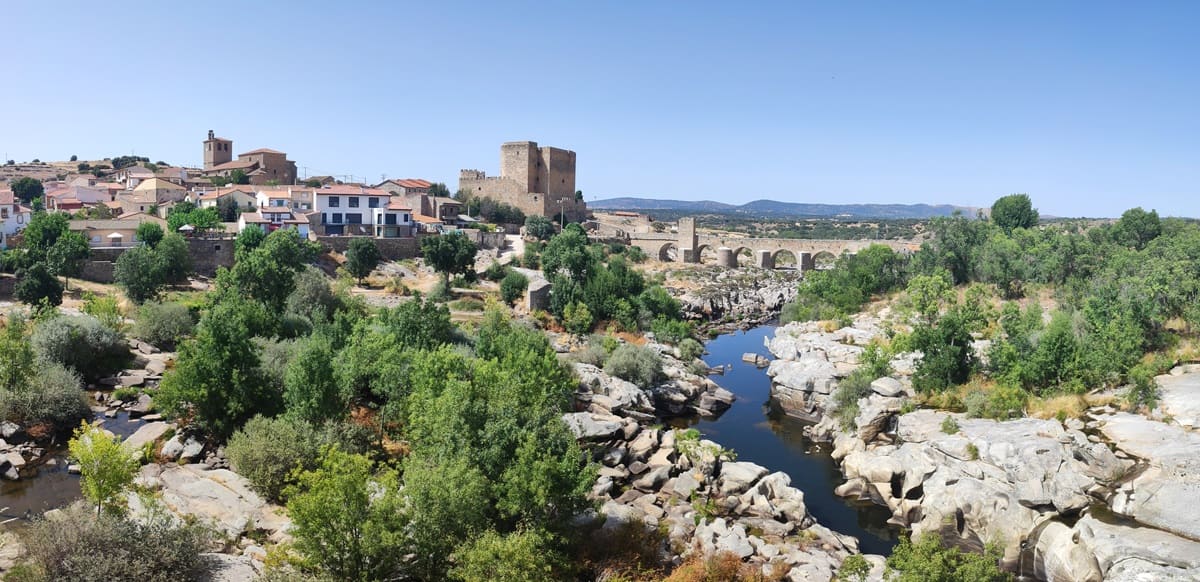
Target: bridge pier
(764, 259)
(725, 258)
(805, 262)
(689, 255)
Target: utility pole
(562, 209)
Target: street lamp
(562, 208)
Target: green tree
(449, 254)
(149, 233)
(310, 388)
(577, 318)
(347, 521)
(238, 177)
(927, 294)
(449, 502)
(513, 287)
(539, 227)
(439, 189)
(174, 258)
(1014, 211)
(65, 258)
(249, 239)
(312, 183)
(201, 219)
(37, 287)
(106, 468)
(216, 379)
(567, 253)
(267, 273)
(16, 354)
(1137, 228)
(926, 560)
(855, 568)
(43, 231)
(26, 188)
(527, 555)
(947, 356)
(362, 257)
(139, 272)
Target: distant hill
(775, 208)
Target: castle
(539, 181)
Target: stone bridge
(688, 247)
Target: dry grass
(724, 567)
(1059, 407)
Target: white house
(350, 210)
(13, 216)
(393, 221)
(132, 176)
(274, 218)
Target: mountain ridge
(776, 208)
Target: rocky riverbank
(690, 487)
(733, 298)
(1105, 497)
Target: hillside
(775, 208)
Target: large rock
(219, 497)
(737, 476)
(147, 433)
(623, 395)
(1095, 549)
(1165, 493)
(226, 568)
(887, 386)
(593, 427)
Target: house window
(389, 219)
(334, 202)
(354, 202)
(354, 218)
(216, 247)
(406, 219)
(373, 202)
(337, 218)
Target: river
(777, 442)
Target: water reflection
(777, 442)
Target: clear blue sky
(1090, 107)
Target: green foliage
(347, 519)
(149, 233)
(65, 257)
(520, 556)
(852, 282)
(139, 273)
(1137, 228)
(567, 254)
(926, 559)
(449, 254)
(948, 358)
(106, 467)
(362, 257)
(640, 365)
(1014, 211)
(690, 349)
(539, 227)
(855, 568)
(201, 219)
(494, 211)
(174, 258)
(163, 325)
(577, 318)
(513, 286)
(1001, 403)
(81, 343)
(53, 396)
(671, 331)
(949, 425)
(79, 545)
(269, 451)
(106, 309)
(38, 287)
(928, 294)
(26, 188)
(216, 380)
(266, 273)
(310, 388)
(495, 271)
(1143, 389)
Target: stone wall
(208, 254)
(486, 240)
(392, 249)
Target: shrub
(1143, 390)
(106, 467)
(636, 364)
(927, 559)
(577, 318)
(467, 304)
(845, 398)
(267, 450)
(690, 349)
(37, 286)
(52, 396)
(520, 556)
(440, 292)
(513, 287)
(81, 343)
(163, 325)
(855, 568)
(949, 425)
(636, 254)
(495, 271)
(671, 331)
(1001, 403)
(80, 545)
(105, 309)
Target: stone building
(263, 166)
(538, 180)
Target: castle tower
(217, 151)
(521, 161)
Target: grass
(1059, 407)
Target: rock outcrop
(745, 295)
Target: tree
(522, 556)
(347, 521)
(577, 318)
(439, 189)
(65, 258)
(216, 379)
(38, 287)
(106, 467)
(202, 219)
(228, 209)
(43, 231)
(312, 183)
(449, 254)
(249, 239)
(139, 272)
(513, 286)
(27, 188)
(926, 559)
(74, 158)
(1014, 211)
(539, 227)
(567, 253)
(149, 233)
(238, 177)
(310, 388)
(174, 258)
(1137, 228)
(267, 273)
(362, 257)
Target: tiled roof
(343, 190)
(412, 183)
(426, 219)
(261, 151)
(398, 206)
(156, 184)
(234, 165)
(6, 197)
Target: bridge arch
(785, 259)
(668, 253)
(824, 259)
(743, 256)
(706, 254)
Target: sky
(1090, 107)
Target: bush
(54, 395)
(81, 343)
(267, 450)
(855, 568)
(577, 318)
(495, 271)
(845, 398)
(513, 287)
(636, 364)
(927, 559)
(949, 425)
(80, 545)
(104, 309)
(671, 331)
(1000, 403)
(163, 325)
(690, 349)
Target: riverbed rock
(592, 427)
(887, 387)
(744, 294)
(737, 476)
(1164, 494)
(1180, 395)
(1101, 549)
(219, 497)
(147, 433)
(227, 568)
(624, 396)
